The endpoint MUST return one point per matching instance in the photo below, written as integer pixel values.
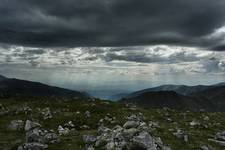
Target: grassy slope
(98, 109)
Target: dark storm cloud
(219, 48)
(70, 23)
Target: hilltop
(11, 87)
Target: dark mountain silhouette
(170, 99)
(208, 97)
(180, 89)
(216, 95)
(10, 87)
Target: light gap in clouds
(114, 68)
(117, 57)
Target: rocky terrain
(64, 124)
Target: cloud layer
(72, 23)
(175, 59)
(105, 71)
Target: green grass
(66, 111)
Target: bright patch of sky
(106, 71)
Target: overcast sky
(113, 46)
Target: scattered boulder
(88, 139)
(168, 119)
(51, 138)
(117, 128)
(63, 131)
(69, 125)
(103, 129)
(204, 147)
(219, 138)
(34, 136)
(143, 141)
(27, 109)
(206, 118)
(77, 112)
(87, 114)
(31, 125)
(32, 146)
(84, 127)
(24, 109)
(108, 119)
(221, 143)
(46, 113)
(180, 134)
(3, 110)
(153, 125)
(130, 132)
(136, 117)
(195, 123)
(131, 124)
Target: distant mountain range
(170, 99)
(10, 87)
(198, 97)
(180, 89)
(118, 96)
(182, 97)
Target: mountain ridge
(207, 97)
(170, 99)
(10, 87)
(180, 89)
